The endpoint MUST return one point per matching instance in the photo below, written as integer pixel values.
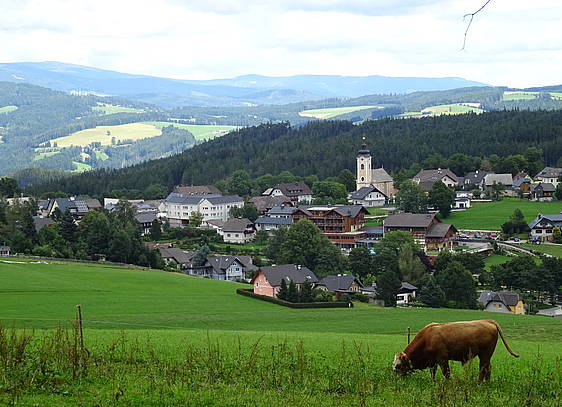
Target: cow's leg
(445, 369)
(485, 368)
(432, 370)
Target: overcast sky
(511, 42)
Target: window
(362, 166)
(548, 231)
(538, 231)
(228, 235)
(362, 178)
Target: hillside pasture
(491, 215)
(519, 95)
(332, 112)
(130, 131)
(106, 108)
(547, 248)
(7, 109)
(449, 109)
(199, 131)
(44, 154)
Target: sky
(513, 43)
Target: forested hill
(325, 148)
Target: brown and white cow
(436, 344)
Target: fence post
(80, 326)
(408, 335)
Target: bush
(249, 293)
(360, 297)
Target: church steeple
(364, 173)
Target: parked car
(464, 236)
(514, 239)
(535, 240)
(477, 236)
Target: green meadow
(331, 112)
(153, 338)
(453, 108)
(130, 131)
(7, 109)
(107, 108)
(199, 131)
(491, 215)
(552, 249)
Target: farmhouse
(503, 301)
(501, 179)
(76, 206)
(542, 191)
(369, 177)
(180, 207)
(549, 175)
(239, 231)
(295, 191)
(368, 196)
(176, 257)
(542, 226)
(426, 178)
(265, 203)
(267, 280)
(427, 229)
(144, 220)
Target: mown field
(331, 112)
(521, 95)
(491, 215)
(106, 108)
(130, 131)
(7, 109)
(552, 249)
(453, 108)
(164, 339)
(199, 131)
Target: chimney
(299, 266)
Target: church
(375, 187)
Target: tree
(67, 227)
(240, 183)
(306, 292)
(388, 285)
(9, 187)
(556, 235)
(248, 211)
(432, 294)
(515, 224)
(329, 259)
(201, 256)
(458, 285)
(301, 244)
(274, 245)
(283, 291)
(262, 236)
(94, 231)
(558, 191)
(442, 198)
(156, 230)
(292, 292)
(411, 198)
(347, 178)
(411, 268)
(360, 262)
(195, 219)
(155, 191)
(329, 192)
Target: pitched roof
(145, 217)
(265, 202)
(407, 287)
(197, 190)
(435, 175)
(505, 179)
(289, 272)
(509, 298)
(438, 230)
(362, 193)
(553, 219)
(293, 189)
(546, 187)
(221, 263)
(177, 254)
(237, 225)
(40, 222)
(285, 210)
(405, 219)
(520, 181)
(550, 172)
(92, 203)
(380, 175)
(340, 282)
(475, 177)
(215, 199)
(343, 210)
(266, 220)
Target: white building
(372, 177)
(238, 231)
(368, 196)
(180, 207)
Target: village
(372, 212)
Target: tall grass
(51, 368)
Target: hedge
(250, 293)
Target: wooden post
(80, 327)
(408, 335)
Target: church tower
(364, 173)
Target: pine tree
(305, 294)
(67, 227)
(292, 292)
(156, 230)
(283, 291)
(388, 285)
(432, 294)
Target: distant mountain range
(244, 90)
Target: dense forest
(325, 148)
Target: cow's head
(402, 364)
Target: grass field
(131, 131)
(40, 156)
(164, 339)
(453, 108)
(8, 109)
(552, 249)
(491, 215)
(516, 95)
(331, 112)
(199, 131)
(107, 108)
(495, 259)
(81, 167)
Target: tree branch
(471, 15)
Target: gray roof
(40, 222)
(380, 175)
(343, 210)
(177, 254)
(265, 202)
(439, 230)
(293, 189)
(416, 220)
(266, 220)
(362, 193)
(340, 282)
(92, 203)
(509, 298)
(435, 175)
(145, 217)
(197, 190)
(505, 179)
(221, 263)
(237, 225)
(215, 199)
(551, 312)
(285, 210)
(553, 219)
(520, 181)
(289, 272)
(550, 172)
(4, 248)
(372, 230)
(475, 177)
(71, 204)
(546, 187)
(407, 287)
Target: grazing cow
(436, 344)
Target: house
(503, 301)
(542, 192)
(175, 257)
(372, 177)
(522, 185)
(4, 251)
(295, 191)
(368, 196)
(427, 229)
(214, 224)
(542, 226)
(407, 293)
(239, 231)
(549, 175)
(281, 212)
(267, 280)
(144, 220)
(474, 179)
(340, 284)
(228, 268)
(268, 223)
(76, 206)
(555, 312)
(500, 179)
(462, 200)
(179, 208)
(40, 222)
(426, 178)
(197, 190)
(265, 203)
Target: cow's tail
(503, 340)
